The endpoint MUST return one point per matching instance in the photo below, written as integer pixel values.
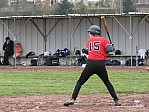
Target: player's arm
(85, 50)
(110, 48)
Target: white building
(143, 1)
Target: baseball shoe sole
(117, 103)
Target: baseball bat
(106, 27)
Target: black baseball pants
(94, 67)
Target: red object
(106, 27)
(108, 54)
(97, 48)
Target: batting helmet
(94, 29)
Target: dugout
(52, 32)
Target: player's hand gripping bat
(106, 27)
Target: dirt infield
(71, 68)
(84, 103)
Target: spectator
(18, 51)
(8, 48)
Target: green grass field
(35, 83)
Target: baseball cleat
(117, 103)
(69, 102)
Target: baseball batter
(97, 48)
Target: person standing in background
(8, 48)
